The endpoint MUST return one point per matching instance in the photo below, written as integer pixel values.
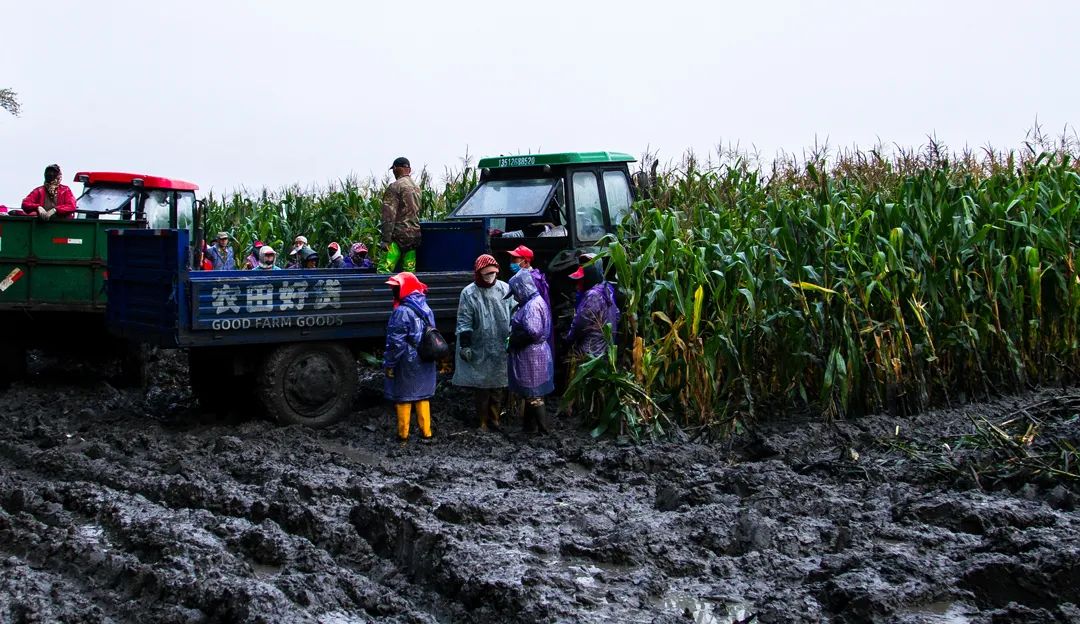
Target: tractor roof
(90, 178)
(564, 158)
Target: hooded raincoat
(486, 313)
(414, 379)
(531, 369)
(596, 308)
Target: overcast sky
(270, 93)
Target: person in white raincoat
(483, 326)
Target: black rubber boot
(528, 419)
(538, 415)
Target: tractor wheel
(311, 384)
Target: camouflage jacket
(401, 213)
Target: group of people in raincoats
(505, 340)
(220, 256)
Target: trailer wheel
(310, 384)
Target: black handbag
(433, 347)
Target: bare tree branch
(9, 101)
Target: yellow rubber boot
(404, 415)
(423, 417)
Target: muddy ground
(131, 506)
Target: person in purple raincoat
(523, 261)
(358, 258)
(530, 368)
(596, 308)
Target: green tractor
(557, 205)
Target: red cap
(334, 246)
(579, 274)
(522, 252)
(484, 261)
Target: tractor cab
(558, 205)
(158, 202)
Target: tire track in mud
(111, 511)
(210, 523)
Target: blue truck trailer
(285, 342)
(288, 339)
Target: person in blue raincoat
(483, 325)
(221, 254)
(410, 381)
(531, 368)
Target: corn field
(348, 211)
(842, 284)
(863, 284)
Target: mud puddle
(124, 506)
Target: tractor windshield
(107, 203)
(508, 198)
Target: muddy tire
(311, 384)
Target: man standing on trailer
(221, 254)
(400, 220)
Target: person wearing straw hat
(221, 253)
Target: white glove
(44, 214)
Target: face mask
(515, 267)
(489, 278)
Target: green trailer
(54, 266)
(52, 273)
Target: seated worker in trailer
(309, 258)
(267, 259)
(52, 199)
(336, 260)
(252, 261)
(294, 254)
(358, 258)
